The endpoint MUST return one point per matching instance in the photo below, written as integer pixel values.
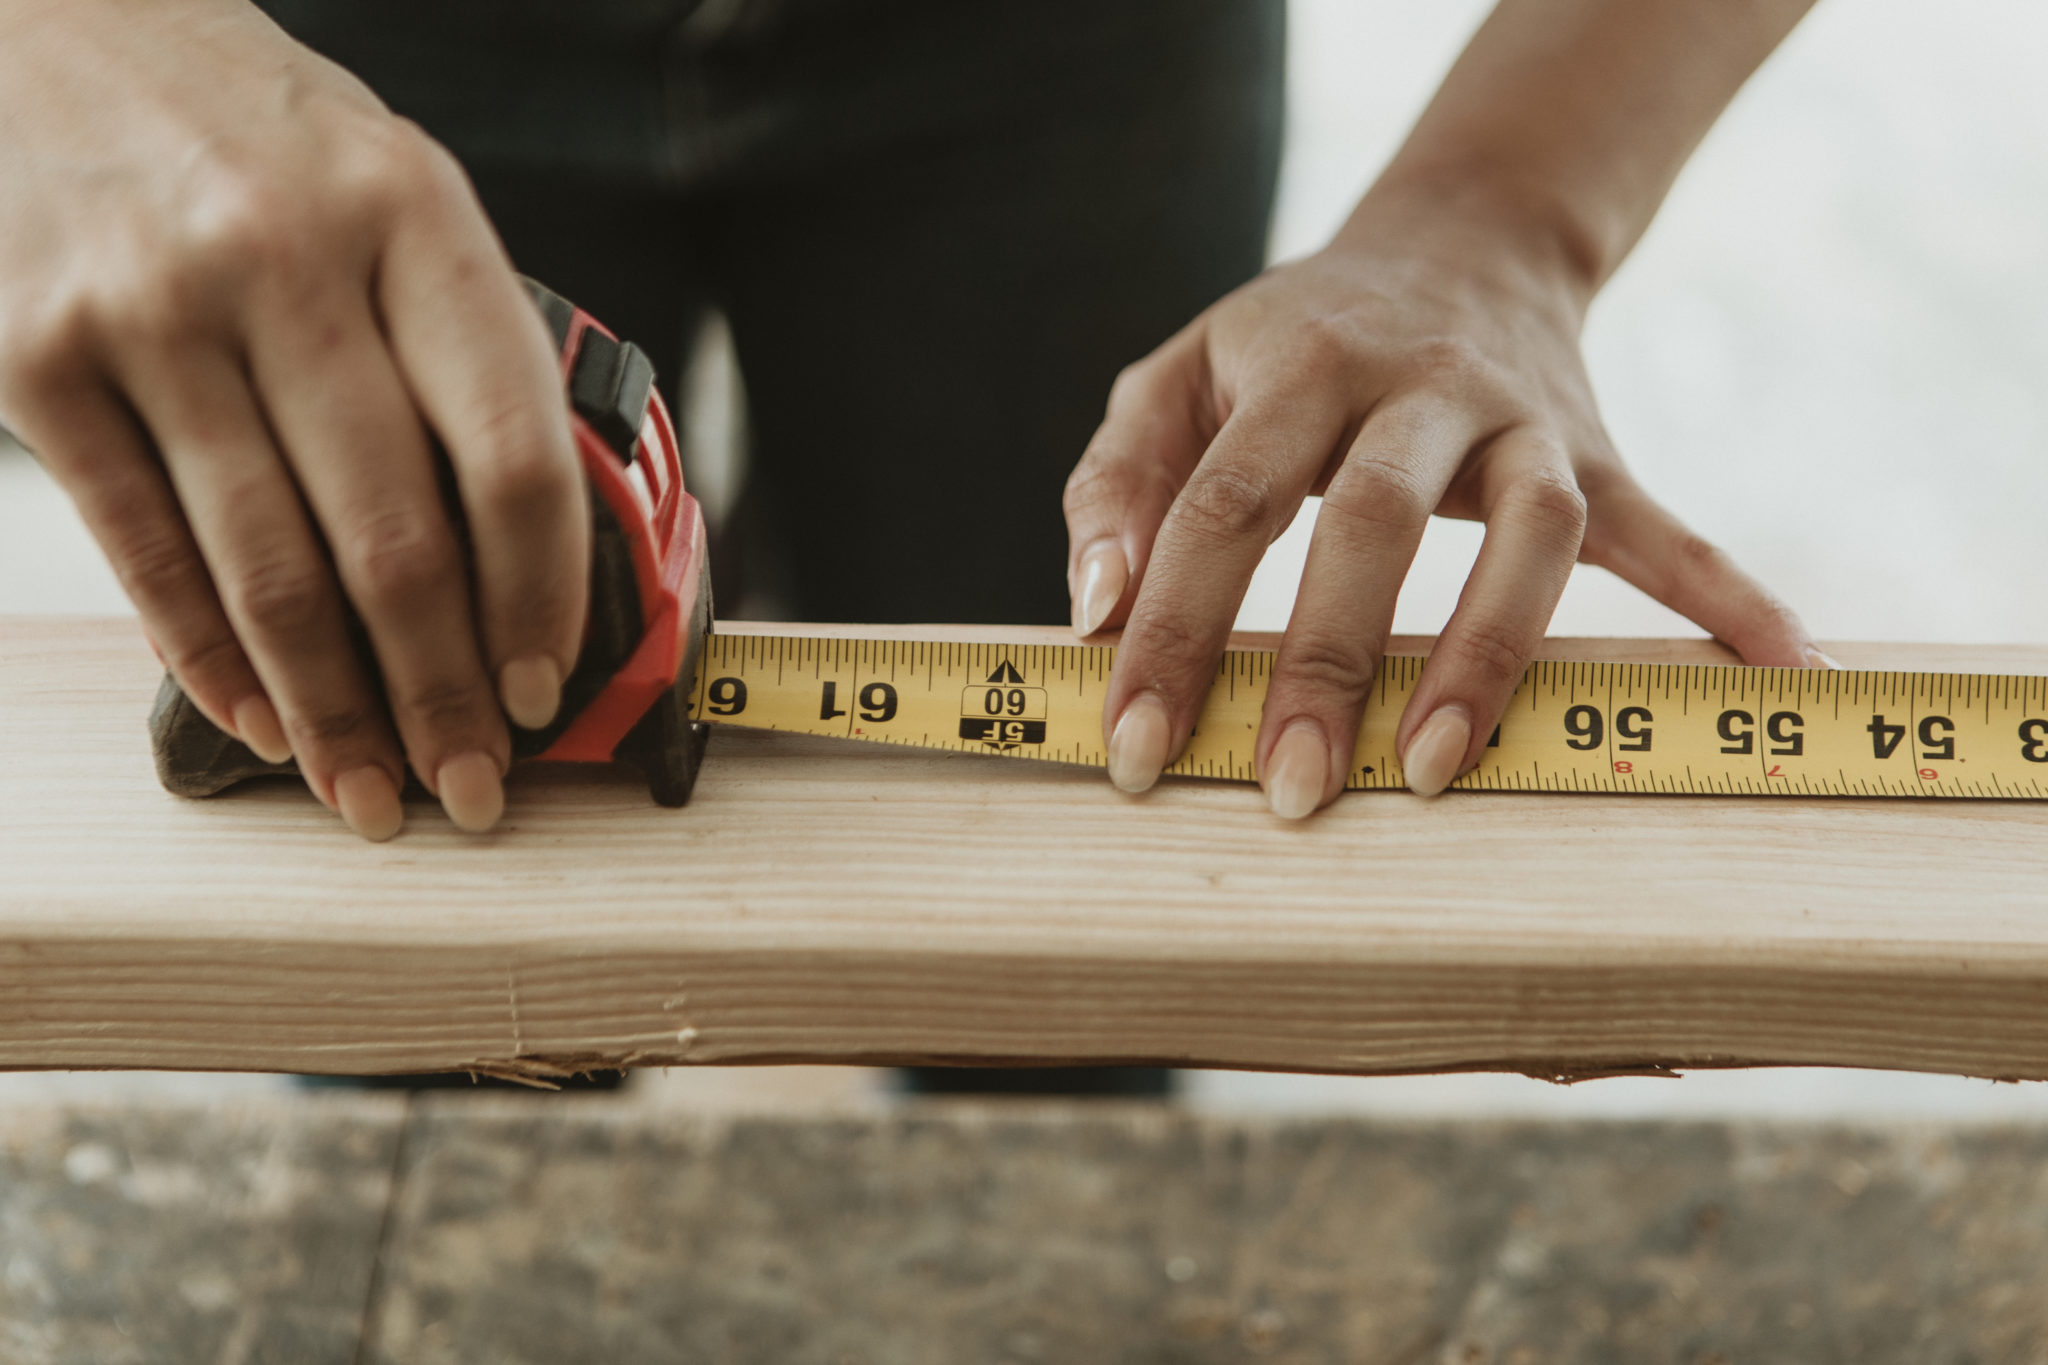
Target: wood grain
(835, 902)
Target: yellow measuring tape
(1577, 727)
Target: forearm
(1567, 121)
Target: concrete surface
(465, 1230)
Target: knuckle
(1101, 481)
(242, 220)
(1329, 669)
(1548, 500)
(149, 553)
(281, 602)
(394, 556)
(42, 350)
(1131, 386)
(331, 726)
(1091, 483)
(1326, 352)
(1327, 334)
(1379, 493)
(163, 311)
(152, 304)
(1491, 655)
(1693, 556)
(440, 706)
(395, 165)
(204, 664)
(173, 298)
(518, 468)
(1453, 362)
(1228, 503)
(1174, 644)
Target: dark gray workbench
(560, 1230)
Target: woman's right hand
(239, 302)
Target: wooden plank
(935, 1238)
(836, 902)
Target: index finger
(481, 367)
(1240, 497)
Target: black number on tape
(878, 703)
(726, 696)
(2034, 741)
(997, 701)
(1937, 737)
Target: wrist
(1489, 218)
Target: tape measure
(1674, 729)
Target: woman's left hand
(1426, 362)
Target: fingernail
(1437, 752)
(472, 792)
(368, 800)
(1297, 772)
(1103, 577)
(1816, 659)
(257, 726)
(531, 689)
(1137, 746)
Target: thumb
(1160, 420)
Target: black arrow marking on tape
(1006, 672)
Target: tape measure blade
(1637, 729)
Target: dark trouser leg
(929, 324)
